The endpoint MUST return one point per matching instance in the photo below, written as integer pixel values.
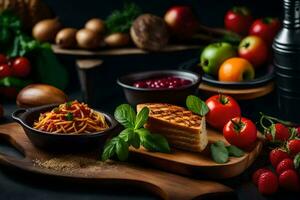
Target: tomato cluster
(225, 115)
(19, 67)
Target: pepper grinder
(286, 50)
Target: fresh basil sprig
(196, 105)
(133, 135)
(220, 153)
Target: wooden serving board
(239, 94)
(162, 184)
(200, 164)
(119, 51)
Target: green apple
(214, 55)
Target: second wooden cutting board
(199, 164)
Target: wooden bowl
(178, 96)
(61, 141)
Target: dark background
(17, 185)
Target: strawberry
(289, 180)
(257, 174)
(284, 165)
(280, 131)
(267, 183)
(294, 146)
(277, 155)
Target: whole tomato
(21, 67)
(294, 146)
(5, 70)
(3, 59)
(222, 108)
(240, 132)
(266, 28)
(238, 19)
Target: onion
(40, 94)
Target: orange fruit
(236, 70)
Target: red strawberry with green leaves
(257, 174)
(276, 156)
(289, 180)
(267, 183)
(294, 146)
(284, 165)
(278, 132)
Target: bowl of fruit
(168, 86)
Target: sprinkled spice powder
(74, 164)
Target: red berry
(257, 174)
(21, 67)
(276, 156)
(294, 146)
(298, 131)
(284, 165)
(281, 133)
(5, 70)
(289, 180)
(267, 183)
(3, 59)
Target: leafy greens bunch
(14, 42)
(134, 134)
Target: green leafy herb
(69, 116)
(141, 118)
(219, 152)
(69, 104)
(196, 105)
(121, 20)
(133, 135)
(125, 115)
(153, 142)
(297, 161)
(13, 82)
(235, 151)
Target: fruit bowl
(262, 76)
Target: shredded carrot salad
(71, 117)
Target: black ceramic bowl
(61, 142)
(136, 95)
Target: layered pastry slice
(183, 129)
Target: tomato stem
(223, 99)
(237, 126)
(271, 119)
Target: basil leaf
(196, 105)
(141, 118)
(219, 152)
(154, 142)
(125, 115)
(297, 161)
(122, 149)
(69, 116)
(129, 136)
(135, 140)
(109, 149)
(125, 134)
(235, 151)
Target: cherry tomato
(21, 67)
(281, 133)
(5, 70)
(294, 146)
(222, 108)
(240, 132)
(238, 20)
(254, 49)
(266, 28)
(3, 59)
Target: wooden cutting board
(162, 184)
(200, 164)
